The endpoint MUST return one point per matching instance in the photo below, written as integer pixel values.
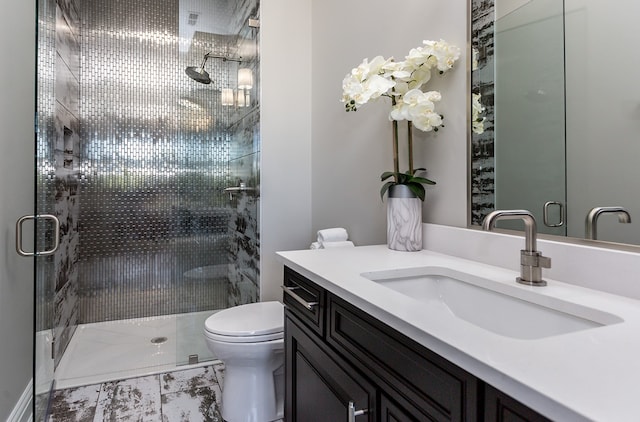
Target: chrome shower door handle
(545, 214)
(353, 412)
(56, 234)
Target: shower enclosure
(142, 164)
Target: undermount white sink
(508, 310)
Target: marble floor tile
(135, 399)
(193, 405)
(191, 395)
(187, 380)
(75, 404)
(218, 368)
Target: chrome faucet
(591, 223)
(531, 260)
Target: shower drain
(158, 340)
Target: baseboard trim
(22, 410)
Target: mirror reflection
(562, 113)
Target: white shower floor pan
(107, 351)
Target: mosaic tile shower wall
(482, 82)
(133, 158)
(244, 229)
(45, 202)
(58, 165)
(45, 157)
(154, 162)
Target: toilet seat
(251, 323)
(244, 339)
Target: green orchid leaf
(423, 180)
(386, 175)
(419, 169)
(385, 188)
(417, 189)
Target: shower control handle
(290, 291)
(56, 234)
(353, 412)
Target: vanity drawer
(415, 375)
(305, 300)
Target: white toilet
(249, 340)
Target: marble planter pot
(404, 219)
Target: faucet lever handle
(544, 261)
(534, 259)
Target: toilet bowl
(249, 340)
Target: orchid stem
(410, 144)
(396, 161)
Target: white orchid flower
(418, 107)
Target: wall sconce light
(245, 78)
(227, 96)
(241, 99)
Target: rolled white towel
(336, 234)
(339, 244)
(316, 245)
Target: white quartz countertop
(592, 374)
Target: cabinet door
(392, 412)
(319, 385)
(406, 371)
(501, 408)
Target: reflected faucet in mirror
(531, 260)
(591, 222)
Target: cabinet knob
(353, 412)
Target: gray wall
(17, 77)
(321, 166)
(351, 150)
(285, 190)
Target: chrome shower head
(198, 74)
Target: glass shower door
(56, 190)
(217, 247)
(134, 158)
(530, 158)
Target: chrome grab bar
(234, 189)
(290, 291)
(56, 233)
(238, 189)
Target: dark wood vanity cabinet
(501, 407)
(320, 386)
(336, 354)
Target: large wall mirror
(558, 84)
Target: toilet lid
(254, 319)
